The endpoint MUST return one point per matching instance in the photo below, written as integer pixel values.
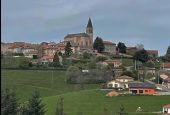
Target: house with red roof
(166, 109)
(46, 59)
(114, 63)
(109, 47)
(166, 66)
(153, 53)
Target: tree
(86, 55)
(121, 47)
(167, 56)
(122, 111)
(56, 58)
(9, 102)
(98, 44)
(59, 53)
(68, 50)
(141, 55)
(59, 108)
(35, 105)
(24, 63)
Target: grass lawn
(26, 81)
(93, 102)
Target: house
(166, 66)
(4, 48)
(21, 47)
(166, 109)
(46, 59)
(114, 63)
(142, 88)
(31, 54)
(153, 53)
(147, 70)
(131, 50)
(165, 80)
(109, 47)
(49, 50)
(120, 82)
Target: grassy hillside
(26, 81)
(89, 101)
(92, 102)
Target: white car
(158, 88)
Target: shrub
(101, 58)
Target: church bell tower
(89, 31)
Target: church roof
(77, 35)
(89, 25)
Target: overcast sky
(133, 22)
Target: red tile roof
(152, 52)
(166, 65)
(108, 42)
(167, 106)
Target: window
(110, 85)
(146, 90)
(140, 91)
(116, 85)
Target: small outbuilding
(166, 109)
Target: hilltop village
(81, 62)
(79, 47)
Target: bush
(24, 63)
(86, 55)
(101, 58)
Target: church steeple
(89, 31)
(89, 25)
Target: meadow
(89, 101)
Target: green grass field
(90, 101)
(26, 81)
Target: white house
(120, 82)
(166, 109)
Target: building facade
(81, 40)
(109, 47)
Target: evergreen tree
(9, 102)
(35, 105)
(98, 44)
(121, 47)
(59, 108)
(122, 111)
(68, 50)
(167, 56)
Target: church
(81, 41)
